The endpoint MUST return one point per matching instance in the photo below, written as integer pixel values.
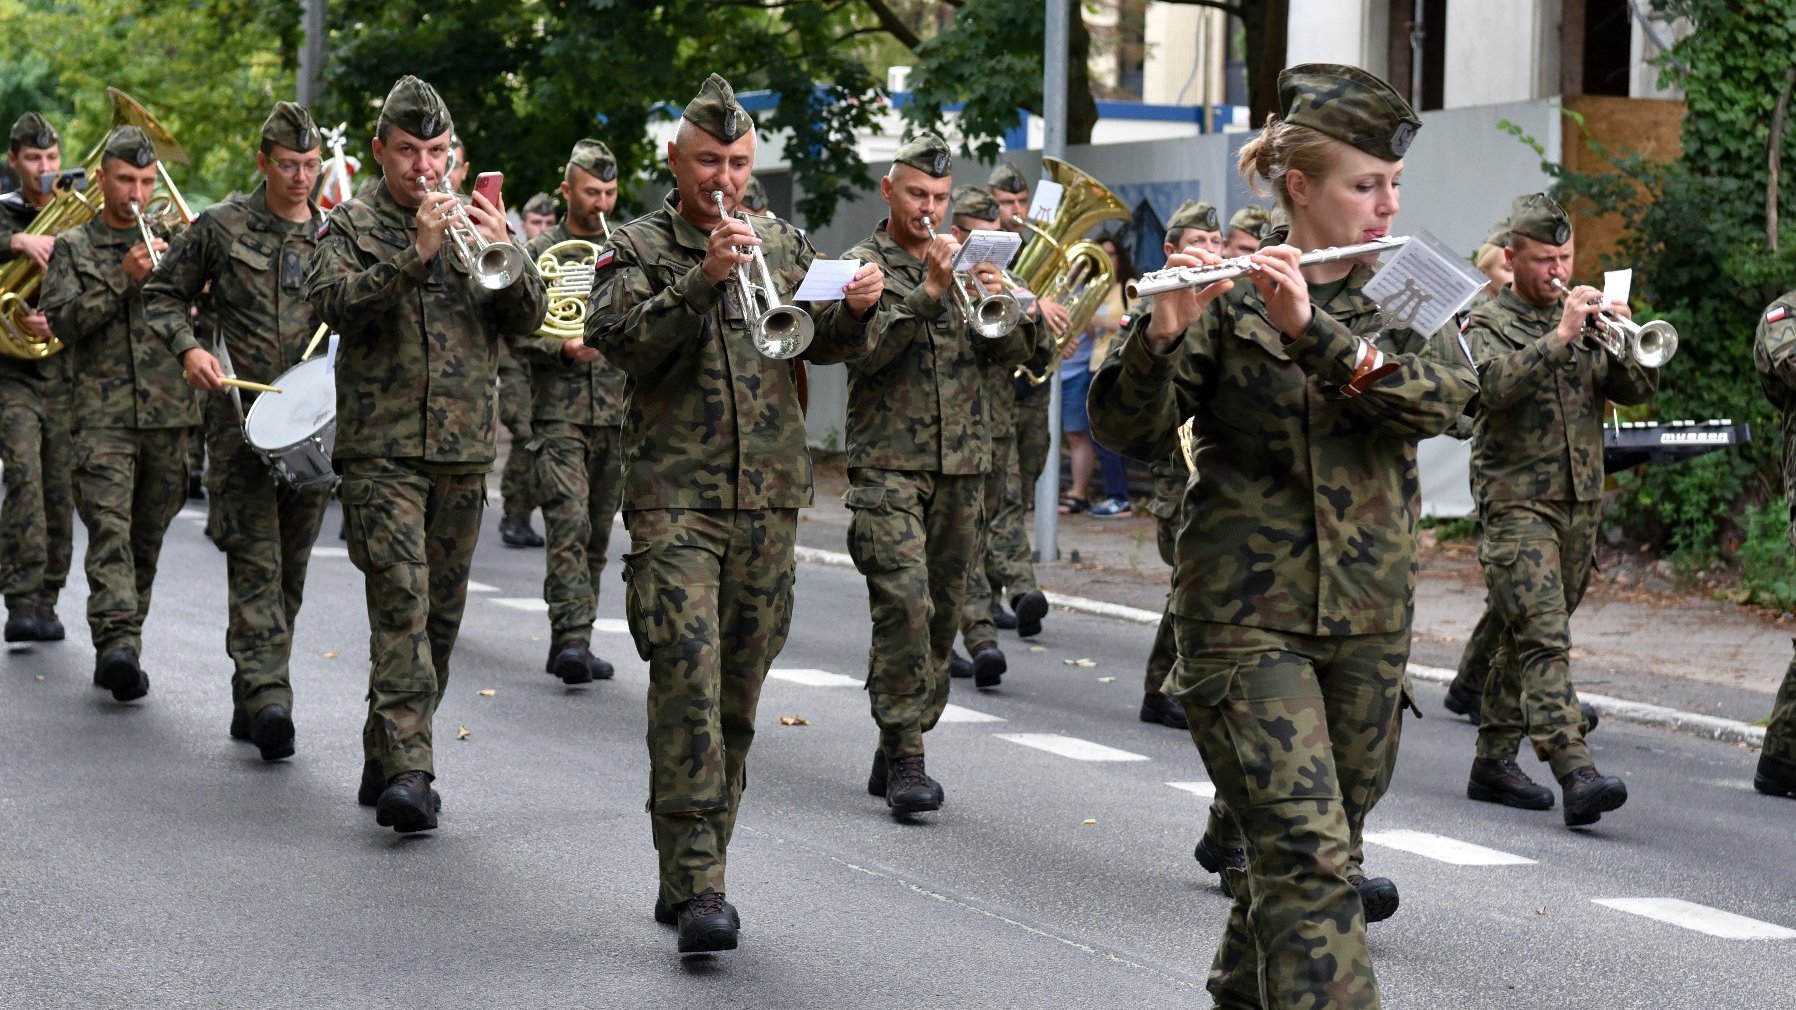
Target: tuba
(1059, 264)
(20, 278)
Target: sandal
(1070, 506)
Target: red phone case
(487, 184)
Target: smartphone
(74, 179)
(487, 184)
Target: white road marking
(611, 626)
(955, 713)
(1204, 790)
(476, 587)
(813, 678)
(1700, 918)
(1071, 747)
(527, 604)
(338, 552)
(1444, 849)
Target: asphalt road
(148, 860)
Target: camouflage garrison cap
(1499, 233)
(1251, 219)
(416, 108)
(974, 202)
(541, 203)
(593, 158)
(1194, 214)
(291, 126)
(1349, 105)
(129, 145)
(1539, 217)
(1278, 228)
(715, 110)
(927, 153)
(1008, 178)
(33, 130)
(754, 197)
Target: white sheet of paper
(825, 280)
(330, 352)
(1424, 284)
(1046, 200)
(988, 246)
(1617, 284)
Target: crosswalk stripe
(525, 603)
(611, 626)
(1204, 790)
(1444, 849)
(1071, 747)
(330, 552)
(813, 678)
(955, 713)
(476, 587)
(1700, 918)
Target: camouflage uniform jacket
(711, 423)
(919, 401)
(15, 216)
(1774, 356)
(417, 355)
(123, 376)
(1538, 431)
(255, 262)
(1301, 515)
(586, 393)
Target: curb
(1713, 727)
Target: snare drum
(293, 430)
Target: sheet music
(1046, 200)
(988, 246)
(1616, 285)
(1424, 284)
(824, 281)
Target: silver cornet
(779, 331)
(989, 315)
(1649, 345)
(494, 265)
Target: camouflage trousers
(1004, 566)
(1475, 662)
(1299, 735)
(1032, 437)
(1780, 731)
(1165, 649)
(709, 599)
(580, 477)
(518, 491)
(411, 533)
(1537, 556)
(914, 535)
(128, 484)
(266, 530)
(36, 521)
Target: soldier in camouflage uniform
(1296, 562)
(517, 481)
(36, 521)
(754, 199)
(973, 207)
(250, 253)
(1537, 467)
(539, 215)
(131, 410)
(716, 470)
(416, 362)
(1245, 230)
(1774, 355)
(578, 416)
(919, 445)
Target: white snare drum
(293, 430)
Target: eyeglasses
(292, 168)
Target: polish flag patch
(1776, 314)
(604, 259)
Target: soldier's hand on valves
(864, 289)
(39, 326)
(137, 261)
(575, 349)
(1059, 320)
(37, 247)
(201, 370)
(1282, 287)
(489, 218)
(938, 262)
(990, 278)
(1582, 303)
(435, 212)
(1174, 311)
(727, 248)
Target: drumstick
(323, 328)
(254, 387)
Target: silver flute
(1156, 282)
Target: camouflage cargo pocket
(377, 537)
(650, 624)
(873, 530)
(1498, 553)
(1204, 682)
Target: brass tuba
(1059, 264)
(20, 278)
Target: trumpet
(494, 265)
(778, 330)
(159, 210)
(989, 315)
(1649, 345)
(1156, 282)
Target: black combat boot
(405, 804)
(876, 779)
(1589, 794)
(1466, 702)
(1002, 619)
(515, 531)
(1163, 709)
(910, 790)
(22, 622)
(118, 671)
(959, 666)
(1503, 781)
(272, 732)
(49, 626)
(666, 916)
(1030, 608)
(988, 665)
(1377, 895)
(1775, 777)
(240, 730)
(572, 662)
(1217, 858)
(706, 924)
(374, 780)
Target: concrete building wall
(1492, 52)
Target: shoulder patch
(605, 259)
(1776, 314)
(323, 229)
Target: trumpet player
(577, 415)
(416, 364)
(1537, 472)
(131, 409)
(919, 445)
(715, 471)
(36, 522)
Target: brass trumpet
(778, 330)
(989, 315)
(493, 265)
(1649, 345)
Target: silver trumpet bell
(779, 331)
(494, 265)
(989, 315)
(1649, 345)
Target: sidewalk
(1638, 644)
